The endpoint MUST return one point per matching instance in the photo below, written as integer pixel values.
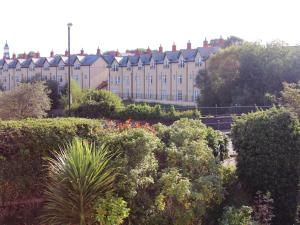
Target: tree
(77, 95)
(244, 74)
(28, 100)
(290, 97)
(233, 40)
(78, 176)
(268, 147)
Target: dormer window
(61, 67)
(18, 68)
(152, 64)
(140, 66)
(181, 63)
(77, 66)
(5, 68)
(31, 67)
(166, 64)
(128, 67)
(199, 62)
(46, 66)
(115, 67)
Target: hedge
(268, 147)
(24, 144)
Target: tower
(6, 51)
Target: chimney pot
(14, 56)
(66, 53)
(98, 51)
(160, 49)
(173, 47)
(189, 45)
(51, 53)
(82, 52)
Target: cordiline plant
(78, 175)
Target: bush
(25, 143)
(268, 147)
(234, 216)
(98, 104)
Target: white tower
(6, 51)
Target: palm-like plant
(78, 175)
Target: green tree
(78, 176)
(234, 216)
(268, 147)
(290, 97)
(77, 95)
(244, 74)
(28, 100)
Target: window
(46, 66)
(140, 66)
(150, 79)
(149, 94)
(31, 67)
(181, 63)
(76, 77)
(164, 79)
(196, 95)
(18, 78)
(18, 69)
(60, 78)
(118, 80)
(77, 66)
(164, 95)
(126, 93)
(179, 95)
(152, 64)
(199, 62)
(166, 64)
(61, 67)
(5, 68)
(85, 76)
(179, 79)
(114, 67)
(128, 67)
(126, 80)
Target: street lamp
(69, 69)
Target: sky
(41, 25)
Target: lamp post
(69, 69)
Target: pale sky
(41, 25)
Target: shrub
(97, 104)
(111, 210)
(234, 216)
(268, 147)
(24, 144)
(28, 100)
(77, 177)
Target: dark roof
(89, 60)
(145, 58)
(2, 61)
(40, 62)
(123, 61)
(55, 60)
(134, 60)
(26, 63)
(173, 56)
(189, 55)
(108, 59)
(158, 57)
(13, 63)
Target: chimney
(189, 45)
(66, 53)
(24, 55)
(82, 52)
(14, 56)
(173, 47)
(98, 51)
(205, 43)
(221, 42)
(37, 55)
(117, 52)
(51, 53)
(148, 50)
(160, 49)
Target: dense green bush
(98, 104)
(234, 216)
(24, 144)
(268, 146)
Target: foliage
(111, 210)
(98, 103)
(290, 97)
(24, 144)
(233, 40)
(28, 100)
(244, 74)
(77, 176)
(53, 94)
(234, 216)
(77, 95)
(262, 209)
(268, 147)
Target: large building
(152, 76)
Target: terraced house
(90, 71)
(157, 76)
(151, 76)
